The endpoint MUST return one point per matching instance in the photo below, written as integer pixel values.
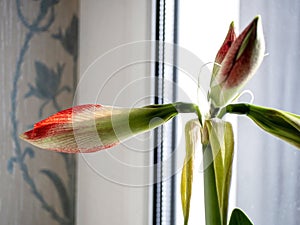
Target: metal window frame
(164, 201)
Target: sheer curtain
(38, 69)
(269, 170)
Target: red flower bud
(90, 128)
(230, 38)
(240, 63)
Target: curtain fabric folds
(268, 169)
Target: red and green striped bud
(239, 64)
(230, 38)
(90, 128)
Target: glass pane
(202, 29)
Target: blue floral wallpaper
(38, 69)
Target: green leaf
(284, 125)
(221, 140)
(192, 136)
(238, 217)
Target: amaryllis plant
(90, 128)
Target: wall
(113, 185)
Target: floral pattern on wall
(42, 82)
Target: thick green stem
(241, 108)
(183, 107)
(212, 210)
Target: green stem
(183, 107)
(212, 212)
(212, 208)
(199, 115)
(221, 113)
(240, 108)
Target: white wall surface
(113, 185)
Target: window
(202, 27)
(197, 35)
(267, 188)
(266, 182)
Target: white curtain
(268, 169)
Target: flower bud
(90, 128)
(230, 38)
(240, 63)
